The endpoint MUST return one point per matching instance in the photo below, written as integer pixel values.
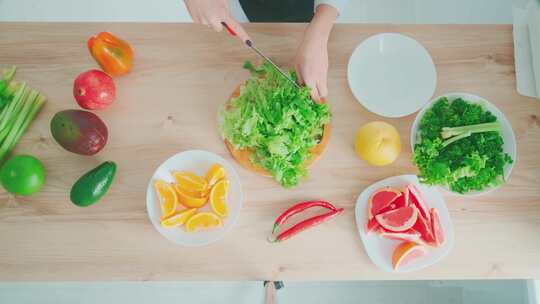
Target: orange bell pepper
(113, 54)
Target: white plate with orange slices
(194, 198)
(405, 226)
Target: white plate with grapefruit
(405, 226)
(194, 198)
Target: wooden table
(182, 74)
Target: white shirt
(338, 4)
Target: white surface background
(360, 11)
(370, 292)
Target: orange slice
(406, 252)
(189, 200)
(203, 220)
(190, 181)
(167, 197)
(178, 218)
(218, 198)
(214, 174)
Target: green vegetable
(19, 105)
(22, 175)
(279, 122)
(93, 185)
(456, 133)
(461, 147)
(5, 92)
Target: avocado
(93, 185)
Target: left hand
(311, 61)
(311, 64)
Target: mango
(79, 131)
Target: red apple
(94, 90)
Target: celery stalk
(478, 128)
(9, 119)
(9, 140)
(12, 87)
(36, 106)
(6, 79)
(11, 111)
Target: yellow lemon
(378, 143)
(178, 218)
(218, 198)
(203, 220)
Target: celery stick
(8, 74)
(12, 87)
(5, 124)
(38, 103)
(6, 113)
(478, 128)
(13, 130)
(6, 78)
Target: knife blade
(256, 50)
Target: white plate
(199, 162)
(509, 139)
(380, 249)
(391, 75)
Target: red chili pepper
(299, 208)
(305, 224)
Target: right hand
(212, 13)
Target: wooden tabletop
(182, 75)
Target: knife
(251, 46)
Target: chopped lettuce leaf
(275, 119)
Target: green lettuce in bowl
(278, 123)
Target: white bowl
(507, 134)
(196, 161)
(391, 75)
(380, 249)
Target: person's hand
(212, 12)
(311, 64)
(311, 61)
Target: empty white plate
(392, 75)
(380, 249)
(198, 162)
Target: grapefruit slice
(400, 201)
(416, 198)
(400, 219)
(381, 199)
(436, 228)
(408, 235)
(372, 225)
(406, 252)
(424, 228)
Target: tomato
(22, 175)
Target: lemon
(378, 143)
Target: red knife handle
(228, 28)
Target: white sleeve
(338, 4)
